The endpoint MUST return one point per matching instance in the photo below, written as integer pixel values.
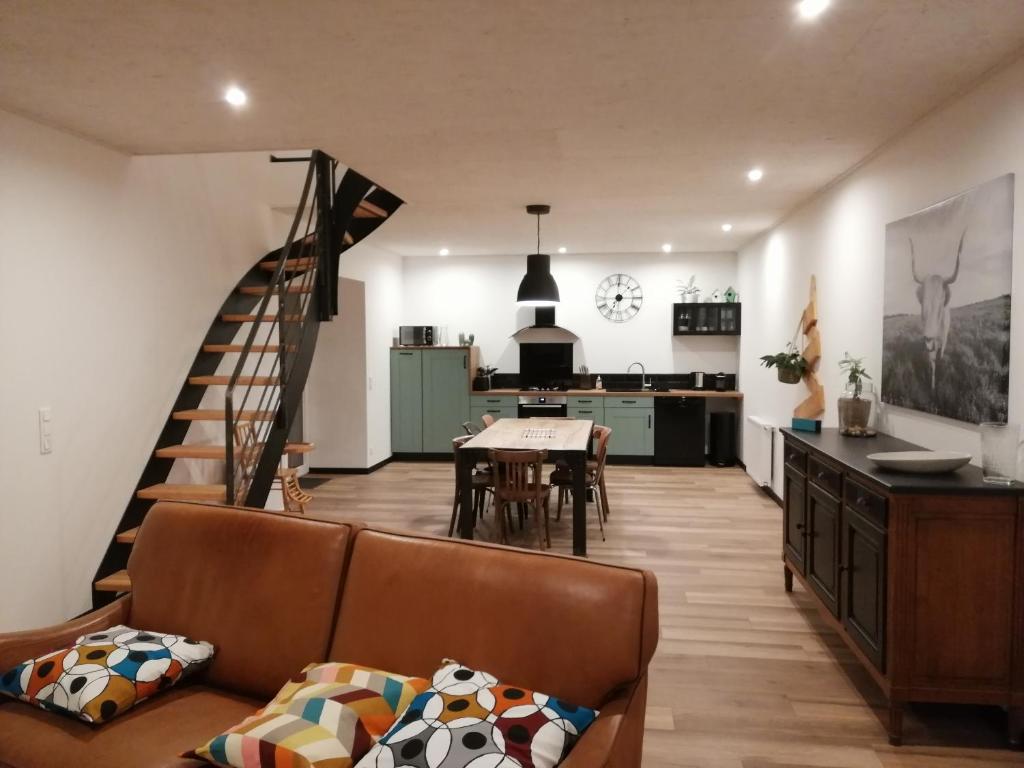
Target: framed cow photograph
(946, 326)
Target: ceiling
(635, 119)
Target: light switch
(45, 430)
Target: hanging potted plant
(482, 380)
(857, 403)
(790, 364)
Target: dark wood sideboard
(921, 575)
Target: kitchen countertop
(605, 393)
(853, 451)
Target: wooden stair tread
(367, 210)
(291, 265)
(259, 290)
(127, 537)
(115, 582)
(229, 318)
(298, 447)
(348, 239)
(209, 381)
(184, 492)
(215, 414)
(227, 348)
(196, 451)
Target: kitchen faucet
(644, 383)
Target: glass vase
(858, 410)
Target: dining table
(566, 439)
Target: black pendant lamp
(538, 287)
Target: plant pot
(789, 376)
(857, 411)
(481, 383)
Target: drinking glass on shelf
(1000, 444)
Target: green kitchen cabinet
(406, 401)
(445, 397)
(429, 398)
(632, 430)
(497, 411)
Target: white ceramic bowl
(924, 462)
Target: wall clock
(618, 298)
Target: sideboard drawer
(868, 503)
(825, 477)
(796, 457)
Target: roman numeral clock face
(618, 298)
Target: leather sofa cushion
(262, 587)
(149, 736)
(569, 627)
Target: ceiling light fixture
(727, 227)
(666, 247)
(443, 252)
(538, 287)
(235, 96)
(811, 9)
(755, 175)
(562, 249)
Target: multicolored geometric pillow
(105, 673)
(467, 719)
(327, 717)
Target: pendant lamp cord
(538, 233)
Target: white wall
(381, 273)
(840, 237)
(111, 269)
(336, 393)
(478, 295)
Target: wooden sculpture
(813, 406)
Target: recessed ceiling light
(727, 227)
(810, 9)
(235, 96)
(443, 252)
(666, 247)
(562, 249)
(755, 175)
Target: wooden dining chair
(295, 499)
(471, 429)
(487, 419)
(561, 478)
(518, 479)
(482, 481)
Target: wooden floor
(745, 676)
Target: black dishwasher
(679, 431)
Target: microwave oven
(416, 335)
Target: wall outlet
(45, 430)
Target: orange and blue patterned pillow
(468, 718)
(105, 673)
(327, 717)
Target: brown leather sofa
(275, 592)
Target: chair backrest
(487, 419)
(295, 499)
(517, 473)
(602, 435)
(471, 428)
(245, 447)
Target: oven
(543, 406)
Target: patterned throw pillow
(327, 717)
(105, 673)
(468, 719)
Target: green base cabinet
(632, 430)
(406, 401)
(429, 399)
(590, 408)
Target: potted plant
(857, 403)
(790, 364)
(482, 380)
(688, 292)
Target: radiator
(759, 451)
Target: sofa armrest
(16, 647)
(616, 738)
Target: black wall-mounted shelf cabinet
(706, 319)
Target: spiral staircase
(230, 425)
